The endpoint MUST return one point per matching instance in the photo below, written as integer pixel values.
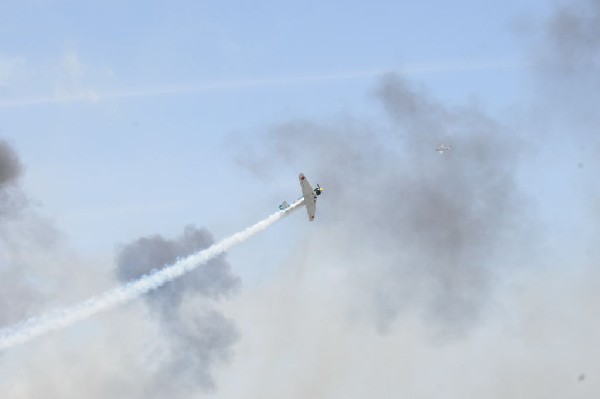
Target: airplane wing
(309, 197)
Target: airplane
(309, 198)
(443, 148)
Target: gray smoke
(440, 221)
(566, 56)
(10, 169)
(16, 293)
(199, 337)
(455, 212)
(566, 76)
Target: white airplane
(309, 198)
(443, 148)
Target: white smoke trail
(61, 318)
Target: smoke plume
(442, 221)
(566, 57)
(61, 318)
(10, 170)
(198, 336)
(13, 282)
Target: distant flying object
(443, 148)
(309, 198)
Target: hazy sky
(470, 274)
(151, 156)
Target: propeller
(318, 190)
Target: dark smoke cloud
(11, 199)
(16, 294)
(10, 167)
(199, 338)
(457, 211)
(566, 56)
(36, 274)
(212, 280)
(572, 36)
(419, 228)
(10, 170)
(566, 59)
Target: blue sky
(164, 150)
